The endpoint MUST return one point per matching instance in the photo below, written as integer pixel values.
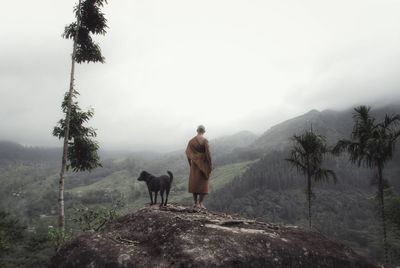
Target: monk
(198, 155)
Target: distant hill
(12, 151)
(227, 144)
(234, 148)
(332, 124)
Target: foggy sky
(171, 65)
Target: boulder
(178, 236)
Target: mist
(172, 65)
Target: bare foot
(202, 206)
(196, 206)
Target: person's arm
(208, 154)
(187, 154)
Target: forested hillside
(273, 191)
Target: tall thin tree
(307, 155)
(89, 20)
(372, 144)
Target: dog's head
(144, 176)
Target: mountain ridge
(330, 123)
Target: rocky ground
(178, 236)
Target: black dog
(157, 184)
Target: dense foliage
(372, 144)
(91, 21)
(21, 247)
(94, 219)
(11, 231)
(82, 149)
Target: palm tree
(372, 145)
(307, 155)
(89, 20)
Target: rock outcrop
(177, 236)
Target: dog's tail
(171, 176)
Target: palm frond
(390, 121)
(297, 164)
(308, 152)
(341, 146)
(324, 175)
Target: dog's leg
(155, 199)
(162, 197)
(151, 197)
(166, 198)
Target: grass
(120, 181)
(136, 192)
(225, 174)
(219, 177)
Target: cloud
(171, 65)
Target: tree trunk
(309, 190)
(61, 214)
(309, 198)
(382, 208)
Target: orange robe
(200, 165)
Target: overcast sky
(171, 65)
